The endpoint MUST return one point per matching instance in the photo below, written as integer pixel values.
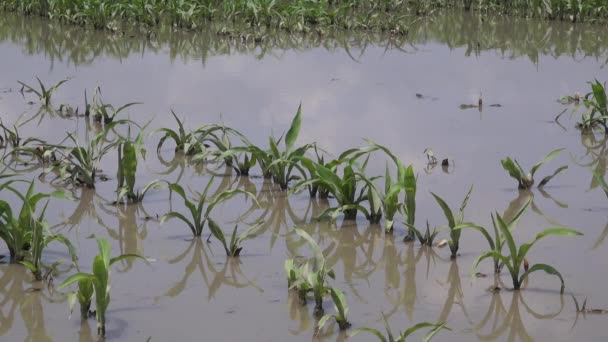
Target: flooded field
(407, 93)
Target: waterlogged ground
(351, 87)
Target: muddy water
(351, 87)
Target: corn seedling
(313, 275)
(497, 243)
(341, 307)
(428, 238)
(343, 187)
(597, 108)
(79, 165)
(100, 281)
(454, 222)
(127, 169)
(526, 180)
(402, 336)
(584, 309)
(18, 232)
(44, 94)
(187, 143)
(517, 255)
(406, 182)
(233, 247)
(218, 136)
(201, 207)
(282, 164)
(102, 112)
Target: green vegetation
(27, 234)
(402, 336)
(497, 243)
(596, 104)
(341, 307)
(233, 247)
(44, 94)
(127, 169)
(200, 208)
(281, 165)
(517, 256)
(79, 165)
(190, 143)
(454, 222)
(300, 16)
(99, 281)
(103, 112)
(311, 276)
(526, 180)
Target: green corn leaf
(546, 180)
(294, 131)
(547, 269)
(446, 210)
(546, 159)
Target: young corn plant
(343, 187)
(127, 169)
(402, 336)
(314, 274)
(201, 207)
(406, 182)
(281, 165)
(454, 222)
(103, 112)
(497, 243)
(526, 180)
(233, 246)
(100, 281)
(44, 94)
(24, 234)
(341, 307)
(217, 137)
(428, 238)
(517, 255)
(187, 143)
(597, 108)
(79, 165)
(41, 237)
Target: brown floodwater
(352, 86)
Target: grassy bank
(292, 15)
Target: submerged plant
(350, 188)
(280, 165)
(44, 94)
(99, 281)
(517, 255)
(26, 234)
(341, 307)
(526, 180)
(402, 336)
(200, 208)
(79, 165)
(103, 112)
(497, 243)
(127, 169)
(429, 235)
(454, 222)
(232, 247)
(187, 143)
(311, 276)
(596, 104)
